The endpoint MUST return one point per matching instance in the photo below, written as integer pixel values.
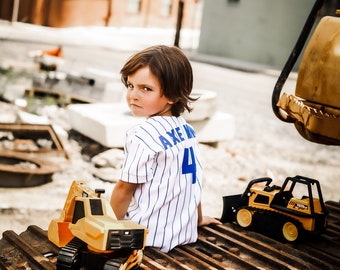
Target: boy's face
(144, 95)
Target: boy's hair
(172, 69)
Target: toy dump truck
(91, 237)
(278, 211)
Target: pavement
(122, 39)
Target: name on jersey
(175, 136)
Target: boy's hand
(206, 220)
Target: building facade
(262, 31)
(127, 13)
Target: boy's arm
(121, 197)
(205, 220)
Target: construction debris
(27, 154)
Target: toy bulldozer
(286, 213)
(91, 237)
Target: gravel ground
(262, 145)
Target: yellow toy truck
(281, 212)
(91, 237)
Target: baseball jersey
(162, 156)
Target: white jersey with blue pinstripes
(162, 155)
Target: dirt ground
(262, 146)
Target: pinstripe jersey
(162, 156)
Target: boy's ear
(171, 101)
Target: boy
(161, 179)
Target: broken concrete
(107, 123)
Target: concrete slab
(107, 123)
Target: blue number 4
(189, 163)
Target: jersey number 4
(189, 163)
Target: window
(133, 6)
(262, 199)
(96, 207)
(79, 211)
(166, 7)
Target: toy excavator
(91, 237)
(279, 211)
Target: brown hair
(172, 69)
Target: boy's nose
(133, 94)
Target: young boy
(161, 179)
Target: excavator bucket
(59, 232)
(315, 107)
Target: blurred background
(261, 32)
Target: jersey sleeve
(137, 167)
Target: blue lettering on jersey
(175, 136)
(189, 163)
(165, 142)
(179, 133)
(172, 135)
(189, 131)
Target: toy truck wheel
(290, 231)
(244, 218)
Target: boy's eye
(147, 89)
(129, 86)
